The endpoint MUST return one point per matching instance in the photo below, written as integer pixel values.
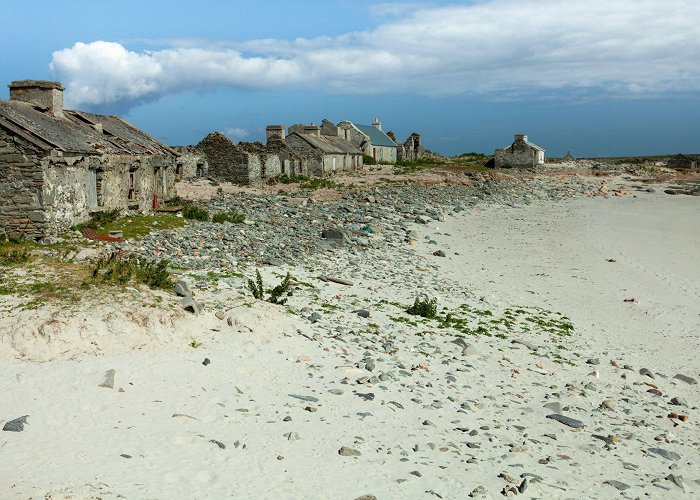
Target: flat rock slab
(571, 422)
(310, 399)
(668, 455)
(348, 452)
(618, 484)
(108, 382)
(16, 425)
(686, 379)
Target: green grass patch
(134, 227)
(232, 216)
(119, 270)
(318, 183)
(193, 212)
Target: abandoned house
(371, 140)
(326, 153)
(250, 163)
(684, 161)
(57, 166)
(520, 154)
(191, 164)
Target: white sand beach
(418, 411)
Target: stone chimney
(377, 124)
(520, 138)
(47, 96)
(275, 132)
(312, 130)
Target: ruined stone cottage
(324, 153)
(191, 164)
(250, 163)
(370, 139)
(684, 161)
(520, 154)
(57, 166)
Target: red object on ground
(155, 201)
(92, 235)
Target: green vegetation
(293, 178)
(193, 212)
(119, 270)
(14, 257)
(257, 289)
(424, 307)
(318, 183)
(138, 226)
(368, 160)
(100, 219)
(408, 167)
(232, 216)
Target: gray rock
(292, 436)
(206, 361)
(108, 382)
(182, 290)
(668, 455)
(16, 425)
(344, 451)
(439, 253)
(646, 372)
(677, 480)
(555, 406)
(332, 234)
(593, 361)
(618, 485)
(310, 399)
(679, 401)
(366, 497)
(362, 313)
(525, 343)
(191, 305)
(685, 378)
(479, 492)
(315, 317)
(523, 486)
(218, 443)
(562, 419)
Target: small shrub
(280, 290)
(424, 307)
(233, 217)
(119, 270)
(293, 178)
(100, 219)
(256, 287)
(193, 212)
(368, 160)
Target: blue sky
(587, 77)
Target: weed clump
(193, 212)
(233, 217)
(423, 307)
(257, 289)
(14, 257)
(100, 219)
(293, 178)
(318, 183)
(118, 270)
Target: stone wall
(43, 194)
(191, 164)
(347, 131)
(518, 155)
(312, 158)
(228, 162)
(21, 179)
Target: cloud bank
(512, 47)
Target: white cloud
(625, 47)
(236, 134)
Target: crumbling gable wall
(228, 162)
(328, 128)
(21, 180)
(311, 156)
(520, 154)
(270, 163)
(347, 131)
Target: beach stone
(593, 361)
(573, 423)
(218, 443)
(668, 455)
(479, 492)
(677, 480)
(685, 378)
(679, 401)
(362, 313)
(525, 343)
(16, 425)
(206, 361)
(292, 436)
(439, 253)
(332, 234)
(125, 455)
(182, 290)
(108, 382)
(310, 399)
(555, 406)
(220, 315)
(523, 486)
(366, 497)
(608, 404)
(344, 451)
(191, 305)
(646, 372)
(620, 486)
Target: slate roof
(77, 132)
(329, 144)
(376, 136)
